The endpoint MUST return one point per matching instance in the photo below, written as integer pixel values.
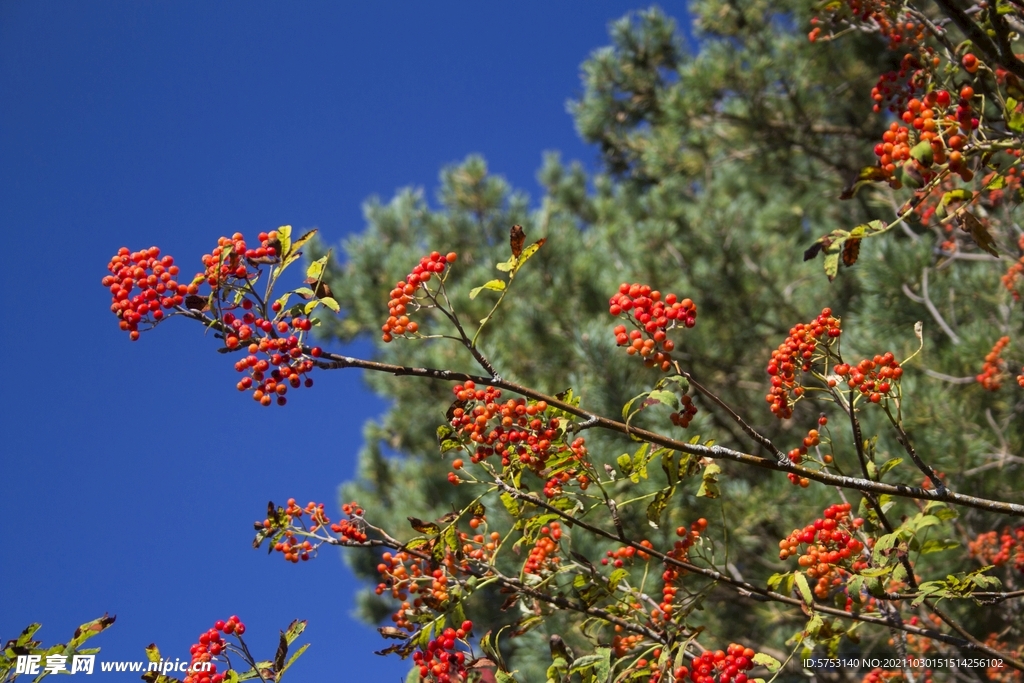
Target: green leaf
(767, 661)
(331, 304)
(600, 660)
(867, 175)
(659, 396)
(315, 270)
(493, 285)
(937, 546)
(310, 305)
(284, 236)
(1014, 118)
(640, 460)
(922, 152)
(153, 653)
(804, 588)
(775, 580)
(831, 266)
(504, 677)
(625, 464)
(709, 481)
(888, 465)
(658, 506)
(997, 182)
(511, 504)
(668, 464)
(447, 440)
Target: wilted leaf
(517, 237)
(851, 250)
(970, 224)
(428, 528)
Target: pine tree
(720, 165)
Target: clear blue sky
(130, 474)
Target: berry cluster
(1015, 272)
(480, 548)
(515, 428)
(276, 334)
(992, 372)
(718, 666)
(997, 672)
(619, 556)
(929, 120)
(812, 439)
(685, 414)
(284, 353)
(895, 88)
(1000, 548)
(438, 661)
(875, 377)
(797, 352)
(225, 262)
(404, 299)
(832, 552)
(404, 574)
(154, 279)
(670, 577)
(242, 321)
(622, 644)
(652, 318)
(203, 668)
(543, 557)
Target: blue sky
(131, 473)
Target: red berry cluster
(225, 262)
(685, 414)
(797, 353)
(439, 662)
(543, 557)
(211, 645)
(874, 377)
(515, 428)
(895, 88)
(930, 120)
(670, 577)
(404, 574)
(878, 675)
(351, 530)
(403, 297)
(621, 555)
(284, 353)
(1000, 548)
(832, 552)
(992, 372)
(812, 439)
(652, 318)
(1015, 272)
(998, 672)
(154, 280)
(718, 666)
